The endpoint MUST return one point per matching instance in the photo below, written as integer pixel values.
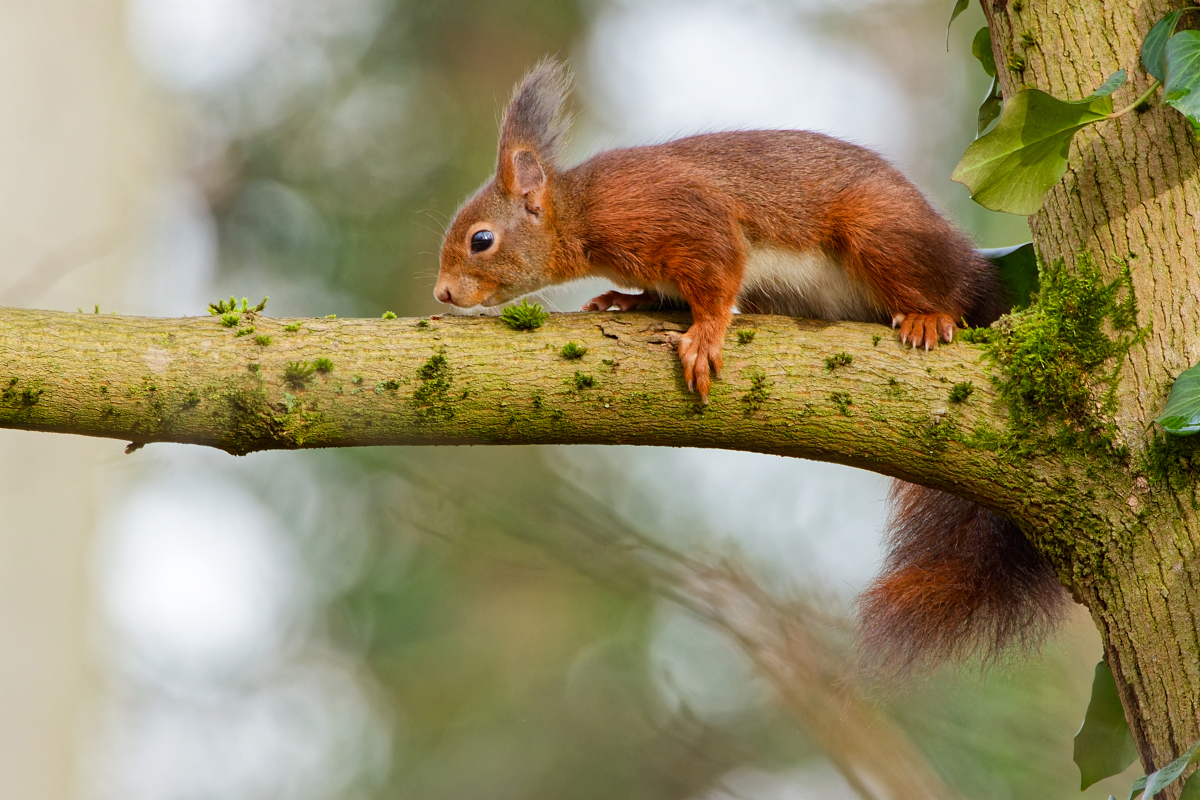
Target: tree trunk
(1130, 196)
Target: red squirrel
(777, 222)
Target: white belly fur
(805, 284)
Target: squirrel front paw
(621, 301)
(700, 354)
(924, 329)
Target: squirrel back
(785, 222)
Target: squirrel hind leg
(958, 581)
(622, 301)
(924, 330)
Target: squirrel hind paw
(925, 330)
(620, 300)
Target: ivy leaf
(1018, 269)
(959, 7)
(1157, 781)
(1155, 43)
(1104, 746)
(1181, 417)
(1110, 85)
(981, 48)
(1011, 168)
(1180, 89)
(989, 109)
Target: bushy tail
(959, 581)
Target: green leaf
(1157, 781)
(1104, 746)
(1183, 76)
(1155, 43)
(1191, 788)
(1018, 270)
(1137, 786)
(959, 7)
(1011, 168)
(981, 48)
(1181, 417)
(1114, 82)
(990, 108)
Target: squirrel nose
(442, 293)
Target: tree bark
(1131, 196)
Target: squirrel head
(501, 242)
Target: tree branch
(472, 380)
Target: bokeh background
(433, 622)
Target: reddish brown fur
(971, 589)
(682, 217)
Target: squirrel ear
(532, 130)
(527, 175)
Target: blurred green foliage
(352, 187)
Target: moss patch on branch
(1059, 360)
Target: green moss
(356, 380)
(1173, 461)
(389, 386)
(298, 374)
(192, 399)
(223, 307)
(1016, 62)
(331, 316)
(292, 327)
(230, 320)
(246, 331)
(876, 339)
(746, 336)
(432, 396)
(262, 340)
(388, 315)
(936, 433)
(422, 323)
(961, 392)
(838, 360)
(1027, 39)
(22, 399)
(583, 381)
(525, 317)
(759, 393)
(842, 401)
(323, 366)
(572, 351)
(1056, 359)
(975, 335)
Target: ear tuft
(535, 123)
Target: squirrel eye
(481, 241)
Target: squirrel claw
(924, 330)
